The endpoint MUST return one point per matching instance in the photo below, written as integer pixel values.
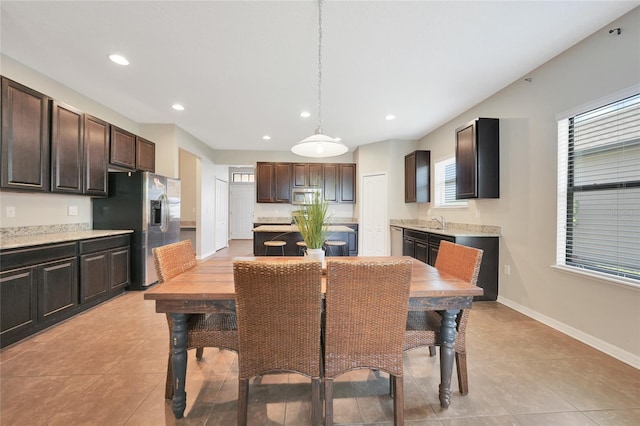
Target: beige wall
(188, 180)
(603, 314)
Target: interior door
(241, 205)
(374, 223)
(222, 214)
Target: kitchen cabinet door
(347, 183)
(122, 149)
(94, 276)
(307, 175)
(331, 182)
(417, 177)
(96, 151)
(145, 155)
(26, 161)
(67, 143)
(273, 182)
(478, 159)
(119, 268)
(18, 303)
(57, 289)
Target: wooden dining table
(208, 288)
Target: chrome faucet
(441, 221)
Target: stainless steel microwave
(301, 196)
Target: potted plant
(312, 223)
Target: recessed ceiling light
(305, 114)
(118, 59)
(266, 137)
(390, 117)
(177, 107)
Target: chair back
(461, 261)
(278, 308)
(173, 259)
(366, 312)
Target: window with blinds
(445, 184)
(599, 190)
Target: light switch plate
(11, 211)
(73, 210)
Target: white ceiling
(244, 69)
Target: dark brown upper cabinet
(67, 151)
(417, 177)
(478, 159)
(339, 182)
(25, 138)
(347, 183)
(96, 154)
(122, 151)
(145, 155)
(307, 175)
(273, 182)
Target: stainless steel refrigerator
(147, 203)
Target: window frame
(567, 191)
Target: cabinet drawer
(416, 234)
(104, 243)
(434, 239)
(17, 258)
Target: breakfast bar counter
(290, 235)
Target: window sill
(623, 282)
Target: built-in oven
(301, 196)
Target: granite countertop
(56, 237)
(451, 229)
(294, 228)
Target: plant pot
(315, 254)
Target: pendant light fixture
(319, 144)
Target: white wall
(603, 314)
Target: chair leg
(243, 401)
(432, 350)
(461, 369)
(392, 385)
(328, 402)
(168, 392)
(199, 352)
(398, 401)
(315, 402)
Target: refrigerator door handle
(164, 203)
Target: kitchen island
(291, 235)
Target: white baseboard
(609, 349)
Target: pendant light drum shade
(319, 145)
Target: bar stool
(302, 248)
(332, 246)
(274, 243)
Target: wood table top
(213, 280)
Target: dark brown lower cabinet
(424, 246)
(104, 268)
(43, 285)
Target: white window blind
(445, 184)
(599, 190)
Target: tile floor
(107, 366)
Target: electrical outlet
(507, 269)
(73, 211)
(11, 211)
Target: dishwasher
(396, 241)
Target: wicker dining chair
(423, 327)
(203, 330)
(279, 307)
(365, 316)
